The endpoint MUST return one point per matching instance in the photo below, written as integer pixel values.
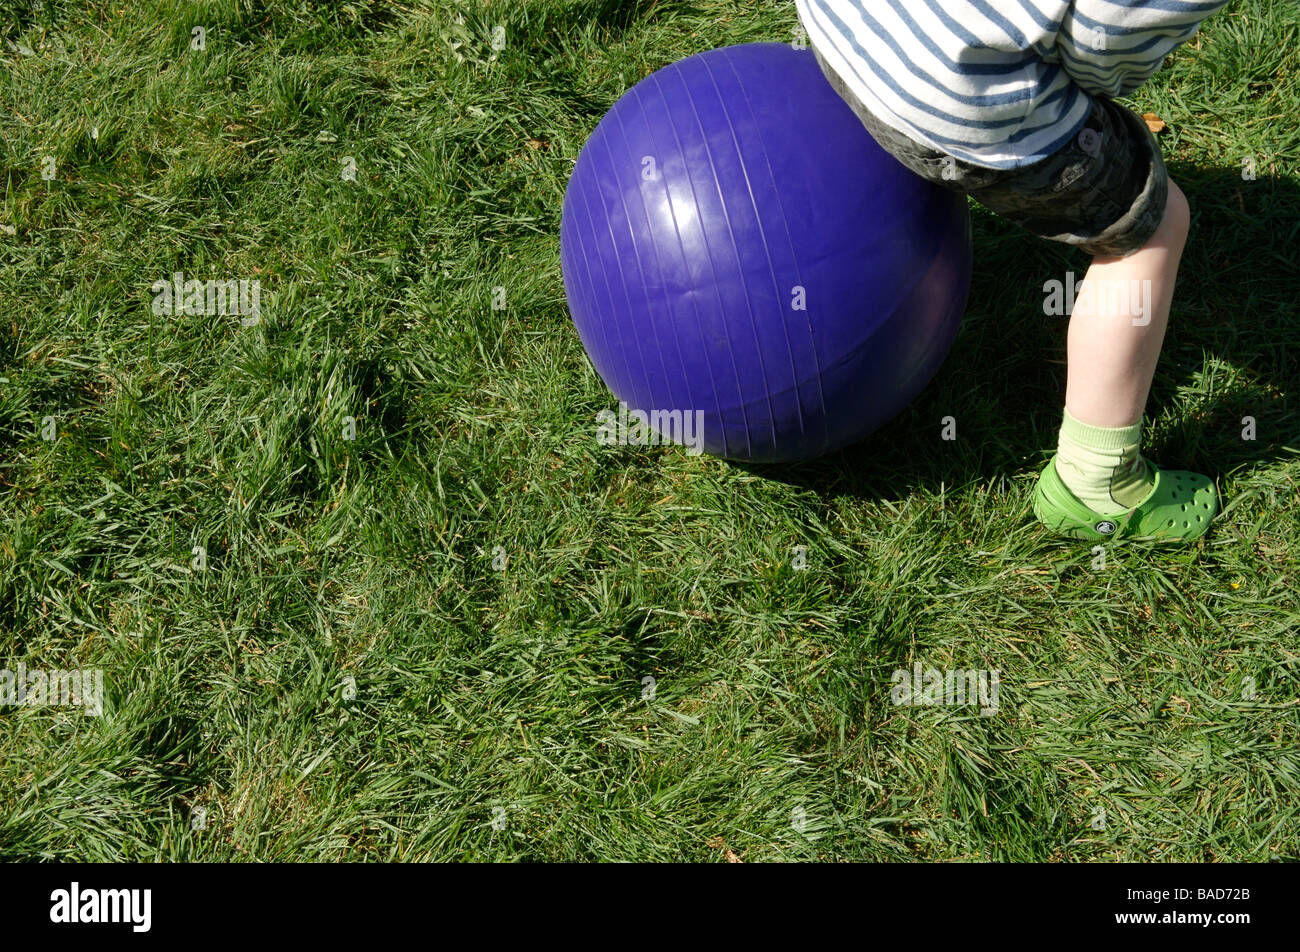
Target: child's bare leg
(1112, 359)
(1114, 341)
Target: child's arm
(1111, 47)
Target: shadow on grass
(617, 15)
(1232, 351)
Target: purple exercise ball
(734, 243)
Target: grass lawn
(363, 585)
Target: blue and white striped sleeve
(1111, 47)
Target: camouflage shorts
(1104, 192)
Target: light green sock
(1101, 465)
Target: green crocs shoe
(1178, 508)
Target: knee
(1178, 215)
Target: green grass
(351, 678)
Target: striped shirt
(997, 83)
